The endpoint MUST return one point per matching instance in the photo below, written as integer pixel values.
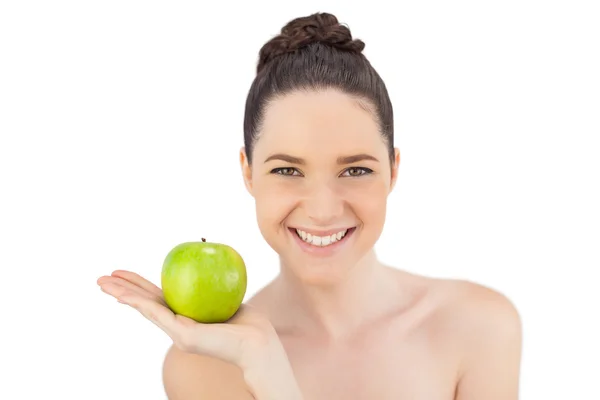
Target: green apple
(204, 281)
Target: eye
(287, 171)
(357, 171)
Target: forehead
(326, 121)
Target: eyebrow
(340, 160)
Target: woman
(336, 323)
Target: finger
(147, 307)
(113, 289)
(128, 285)
(156, 313)
(138, 280)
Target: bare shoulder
(484, 327)
(464, 313)
(478, 309)
(190, 376)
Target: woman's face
(320, 177)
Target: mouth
(329, 240)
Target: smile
(323, 244)
(321, 241)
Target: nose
(323, 204)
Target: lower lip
(321, 251)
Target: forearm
(273, 385)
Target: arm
(273, 377)
(491, 367)
(189, 376)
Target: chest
(382, 368)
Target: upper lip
(316, 232)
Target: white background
(120, 127)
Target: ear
(246, 170)
(395, 168)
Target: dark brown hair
(311, 53)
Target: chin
(321, 274)
(324, 266)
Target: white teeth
(321, 241)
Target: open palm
(240, 340)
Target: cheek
(273, 203)
(369, 203)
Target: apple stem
(204, 240)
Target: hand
(247, 340)
(239, 341)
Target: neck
(338, 309)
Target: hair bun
(303, 31)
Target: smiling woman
(320, 162)
(321, 165)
